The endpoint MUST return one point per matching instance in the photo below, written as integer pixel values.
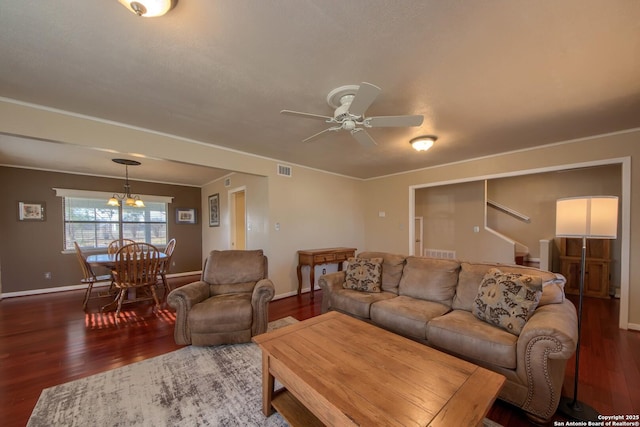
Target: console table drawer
(324, 258)
(313, 257)
(344, 256)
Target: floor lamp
(593, 217)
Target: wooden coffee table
(337, 370)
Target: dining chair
(89, 277)
(136, 267)
(117, 244)
(165, 266)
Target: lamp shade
(594, 217)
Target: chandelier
(127, 198)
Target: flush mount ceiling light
(149, 8)
(127, 198)
(423, 143)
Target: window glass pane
(94, 224)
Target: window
(93, 224)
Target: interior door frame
(625, 214)
(232, 215)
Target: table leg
(267, 386)
(312, 280)
(299, 269)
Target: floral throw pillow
(507, 300)
(364, 275)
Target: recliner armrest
(263, 292)
(182, 299)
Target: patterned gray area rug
(193, 386)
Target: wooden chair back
(136, 265)
(168, 250)
(117, 244)
(87, 272)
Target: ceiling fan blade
(306, 115)
(393, 121)
(319, 134)
(363, 137)
(367, 93)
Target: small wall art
(214, 210)
(31, 211)
(186, 216)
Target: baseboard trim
(76, 287)
(633, 326)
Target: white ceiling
(489, 76)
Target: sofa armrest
(263, 292)
(556, 322)
(182, 299)
(547, 341)
(330, 283)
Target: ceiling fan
(350, 103)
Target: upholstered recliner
(230, 303)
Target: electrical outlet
(47, 275)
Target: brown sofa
(430, 301)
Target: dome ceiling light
(149, 8)
(423, 143)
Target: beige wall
(317, 209)
(451, 213)
(311, 209)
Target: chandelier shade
(127, 198)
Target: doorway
(418, 250)
(238, 217)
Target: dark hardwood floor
(47, 340)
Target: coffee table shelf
(293, 411)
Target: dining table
(109, 261)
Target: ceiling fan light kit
(149, 8)
(423, 143)
(350, 103)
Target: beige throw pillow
(507, 300)
(363, 274)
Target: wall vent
(227, 182)
(440, 253)
(284, 170)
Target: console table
(313, 257)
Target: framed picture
(186, 216)
(214, 210)
(31, 211)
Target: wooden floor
(47, 340)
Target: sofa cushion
(507, 300)
(363, 274)
(406, 316)
(471, 274)
(430, 279)
(461, 333)
(392, 266)
(355, 302)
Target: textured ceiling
(489, 77)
